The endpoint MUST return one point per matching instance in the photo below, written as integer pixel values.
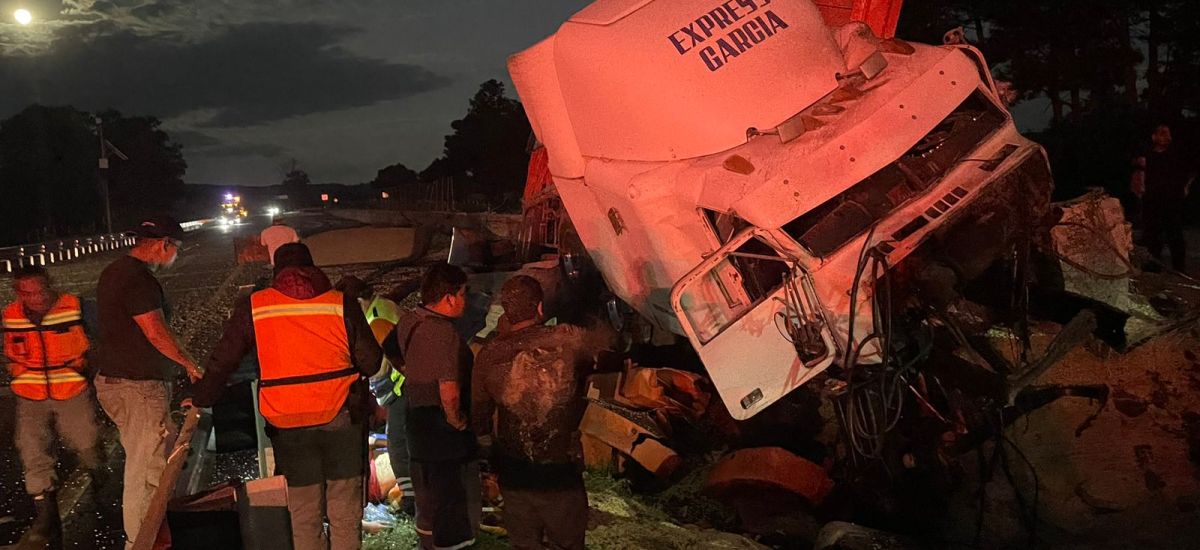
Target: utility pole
(105, 148)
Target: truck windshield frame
(735, 280)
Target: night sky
(344, 86)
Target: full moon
(23, 16)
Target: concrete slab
(361, 245)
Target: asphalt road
(200, 289)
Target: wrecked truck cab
(737, 200)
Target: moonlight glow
(23, 16)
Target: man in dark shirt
(437, 367)
(324, 462)
(530, 377)
(136, 355)
(1162, 178)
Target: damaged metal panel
(629, 438)
(1094, 242)
(750, 469)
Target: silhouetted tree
(486, 152)
(296, 178)
(396, 175)
(152, 178)
(47, 174)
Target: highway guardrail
(58, 251)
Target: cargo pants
(74, 420)
(140, 410)
(324, 467)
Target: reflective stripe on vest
(45, 359)
(303, 356)
(383, 308)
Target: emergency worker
(45, 344)
(388, 385)
(437, 370)
(314, 348)
(528, 383)
(137, 355)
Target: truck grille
(832, 224)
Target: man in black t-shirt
(137, 352)
(437, 370)
(1162, 178)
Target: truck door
(752, 316)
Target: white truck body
(727, 165)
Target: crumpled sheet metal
(666, 388)
(630, 438)
(1093, 241)
(771, 467)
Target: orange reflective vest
(45, 358)
(303, 357)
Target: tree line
(1108, 70)
(49, 184)
(486, 155)
(49, 180)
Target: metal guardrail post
(260, 434)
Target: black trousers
(1163, 218)
(449, 502)
(398, 444)
(538, 519)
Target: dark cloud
(193, 140)
(201, 144)
(153, 10)
(240, 76)
(265, 150)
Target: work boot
(46, 531)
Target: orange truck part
(880, 15)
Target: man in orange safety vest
(45, 344)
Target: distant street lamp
(23, 16)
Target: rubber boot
(46, 531)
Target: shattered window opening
(741, 281)
(724, 226)
(828, 227)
